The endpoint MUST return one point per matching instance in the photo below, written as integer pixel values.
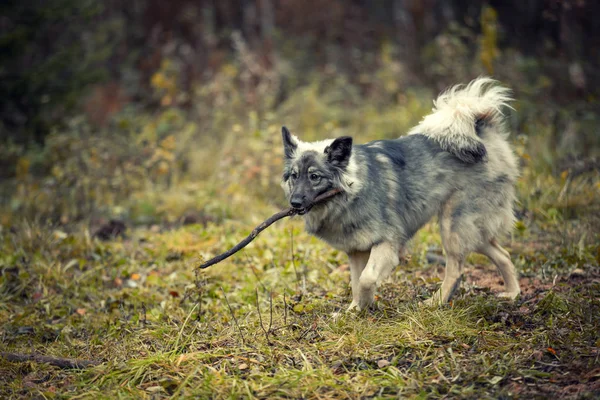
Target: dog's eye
(314, 177)
(294, 176)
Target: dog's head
(312, 168)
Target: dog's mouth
(301, 211)
(307, 208)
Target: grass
(264, 325)
(270, 321)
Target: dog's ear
(289, 142)
(339, 151)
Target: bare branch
(64, 363)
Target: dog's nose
(297, 201)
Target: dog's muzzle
(298, 203)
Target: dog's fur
(456, 163)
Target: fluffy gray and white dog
(456, 163)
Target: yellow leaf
(158, 80)
(153, 279)
(168, 143)
(22, 167)
(298, 308)
(163, 168)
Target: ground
(267, 323)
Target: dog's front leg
(358, 261)
(382, 260)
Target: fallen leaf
(25, 330)
(298, 308)
(135, 277)
(80, 311)
(383, 363)
(537, 355)
(242, 366)
(131, 283)
(60, 234)
(174, 293)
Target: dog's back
(457, 155)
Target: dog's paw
(435, 300)
(353, 307)
(365, 303)
(366, 294)
(509, 295)
(431, 302)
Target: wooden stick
(264, 225)
(64, 363)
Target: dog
(456, 163)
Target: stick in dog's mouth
(318, 200)
(268, 222)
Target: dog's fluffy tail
(462, 115)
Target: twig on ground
(268, 222)
(199, 297)
(284, 310)
(260, 319)
(233, 316)
(292, 257)
(270, 310)
(64, 363)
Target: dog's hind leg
(451, 282)
(382, 260)
(454, 229)
(501, 258)
(358, 261)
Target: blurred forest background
(103, 99)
